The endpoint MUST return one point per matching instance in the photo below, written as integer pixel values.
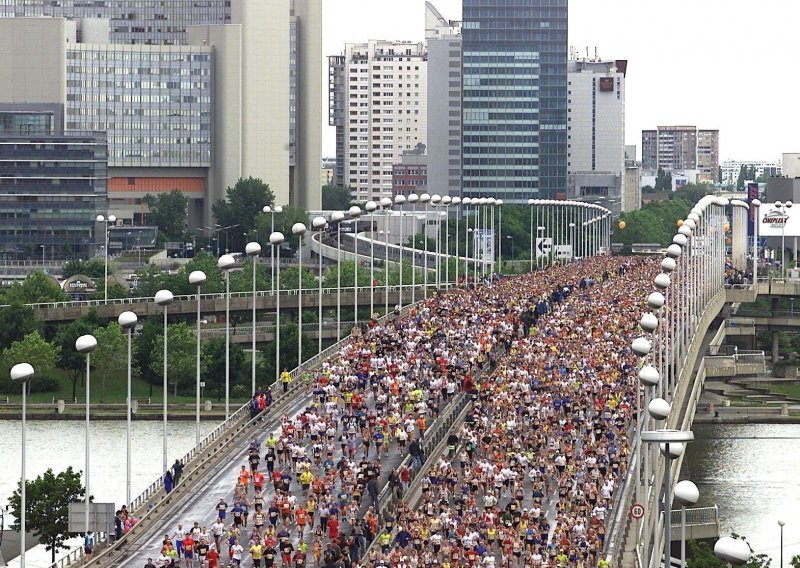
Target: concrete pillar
(775, 347)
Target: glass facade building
(51, 189)
(514, 99)
(154, 102)
(140, 21)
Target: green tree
(242, 205)
(702, 556)
(289, 278)
(94, 268)
(336, 198)
(37, 287)
(795, 561)
(112, 347)
(115, 291)
(348, 269)
(69, 359)
(692, 192)
(181, 356)
(648, 189)
(288, 354)
(16, 321)
(47, 500)
(168, 212)
(35, 350)
(144, 344)
(740, 181)
(213, 365)
(283, 223)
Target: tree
(112, 347)
(35, 350)
(168, 212)
(69, 359)
(16, 321)
(37, 287)
(702, 556)
(288, 355)
(47, 500)
(648, 189)
(283, 223)
(144, 344)
(243, 203)
(740, 181)
(181, 356)
(335, 198)
(93, 268)
(213, 364)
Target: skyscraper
(515, 98)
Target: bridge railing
(696, 516)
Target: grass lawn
(791, 390)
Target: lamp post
(337, 217)
(252, 249)
(784, 208)
(225, 263)
(164, 298)
(671, 443)
(781, 524)
(22, 373)
(400, 200)
(425, 199)
(465, 203)
(572, 241)
(510, 240)
(197, 278)
(436, 201)
(686, 495)
(755, 204)
(318, 224)
(127, 321)
(499, 204)
(299, 229)
(386, 204)
(86, 344)
(413, 199)
(276, 240)
(446, 201)
(110, 221)
(457, 202)
(355, 212)
(370, 207)
(272, 211)
(734, 551)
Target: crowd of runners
(529, 478)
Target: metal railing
(696, 516)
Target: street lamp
(400, 200)
(386, 204)
(499, 204)
(734, 551)
(425, 198)
(86, 344)
(355, 212)
(370, 207)
(784, 208)
(572, 241)
(756, 204)
(671, 443)
(436, 200)
(299, 229)
(127, 321)
(164, 298)
(272, 211)
(337, 217)
(686, 495)
(197, 278)
(781, 524)
(466, 202)
(318, 224)
(457, 202)
(413, 199)
(23, 372)
(110, 221)
(225, 263)
(276, 240)
(446, 201)
(252, 249)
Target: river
(60, 444)
(750, 471)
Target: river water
(750, 471)
(60, 444)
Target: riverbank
(180, 412)
(745, 419)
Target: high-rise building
(190, 95)
(378, 103)
(708, 155)
(681, 149)
(444, 103)
(769, 168)
(514, 99)
(596, 135)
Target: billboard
(606, 84)
(778, 221)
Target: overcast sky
(724, 64)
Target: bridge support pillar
(775, 347)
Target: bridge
(681, 326)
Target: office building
(52, 187)
(191, 96)
(444, 103)
(632, 183)
(596, 131)
(768, 168)
(411, 174)
(682, 149)
(514, 99)
(378, 104)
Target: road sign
(101, 517)
(637, 511)
(543, 246)
(562, 252)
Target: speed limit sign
(637, 511)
